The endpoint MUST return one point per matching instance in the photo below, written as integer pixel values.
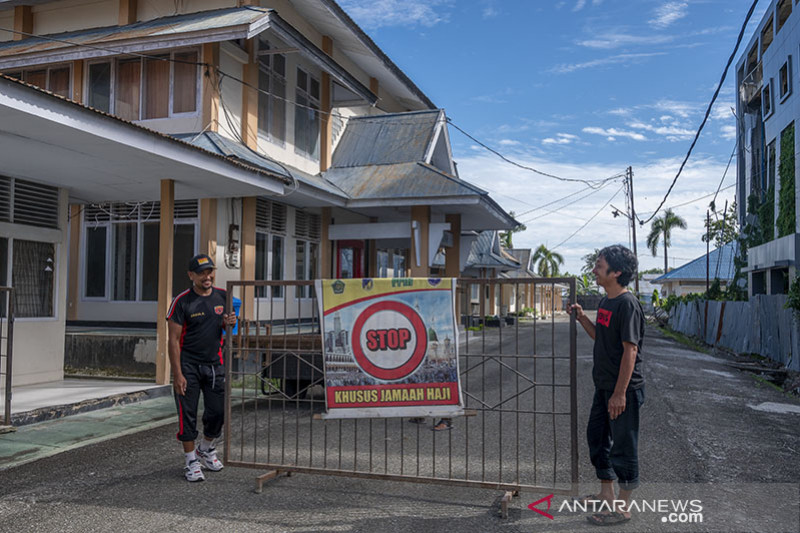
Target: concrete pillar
(74, 261)
(165, 247)
(452, 257)
(127, 12)
(208, 227)
(77, 81)
(210, 89)
(23, 22)
(326, 105)
(250, 96)
(325, 245)
(248, 259)
(421, 215)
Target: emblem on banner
(366, 284)
(434, 281)
(338, 286)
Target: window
(383, 264)
(784, 10)
(99, 86)
(159, 86)
(121, 250)
(32, 273)
(399, 264)
(766, 36)
(305, 265)
(770, 164)
(766, 99)
(270, 231)
(306, 115)
(272, 102)
(56, 79)
(307, 230)
(785, 79)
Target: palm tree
(547, 262)
(589, 260)
(661, 230)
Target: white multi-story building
(767, 108)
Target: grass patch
(762, 381)
(689, 342)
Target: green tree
(661, 232)
(589, 260)
(547, 261)
(505, 237)
(724, 230)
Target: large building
(273, 135)
(767, 108)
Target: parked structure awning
(100, 158)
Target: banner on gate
(391, 347)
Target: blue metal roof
(720, 262)
(161, 27)
(402, 180)
(486, 252)
(214, 142)
(385, 139)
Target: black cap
(200, 262)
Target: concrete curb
(59, 411)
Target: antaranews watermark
(672, 511)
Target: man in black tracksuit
(196, 321)
(613, 429)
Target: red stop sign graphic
(376, 343)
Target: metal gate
(517, 359)
(6, 349)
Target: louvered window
(270, 216)
(307, 226)
(29, 203)
(122, 245)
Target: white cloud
(561, 138)
(728, 132)
(579, 5)
(669, 13)
(611, 60)
(700, 178)
(612, 133)
(672, 132)
(615, 40)
(509, 142)
(374, 14)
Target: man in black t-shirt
(196, 321)
(613, 429)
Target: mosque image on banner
(391, 347)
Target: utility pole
(708, 245)
(633, 226)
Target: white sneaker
(194, 472)
(209, 459)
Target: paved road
(708, 433)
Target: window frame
(48, 67)
(767, 112)
(56, 265)
(300, 292)
(269, 70)
(788, 65)
(270, 237)
(114, 61)
(312, 101)
(109, 225)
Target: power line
(708, 111)
(590, 183)
(590, 219)
(550, 212)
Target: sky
(581, 89)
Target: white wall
(6, 21)
(69, 15)
(38, 354)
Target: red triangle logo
(548, 499)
